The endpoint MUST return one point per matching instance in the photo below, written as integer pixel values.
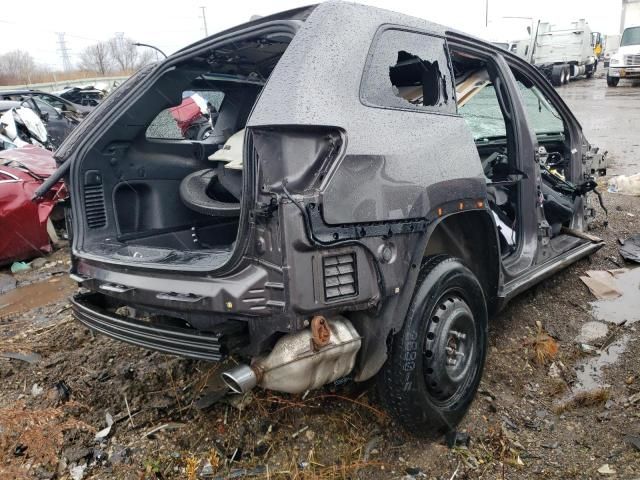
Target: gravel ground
(531, 418)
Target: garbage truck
(564, 52)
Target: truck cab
(625, 63)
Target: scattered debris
(633, 399)
(20, 450)
(30, 357)
(551, 446)
(586, 348)
(18, 267)
(630, 249)
(36, 390)
(240, 401)
(633, 440)
(63, 391)
(625, 184)
(159, 428)
(104, 433)
(455, 438)
(606, 470)
(77, 472)
(210, 397)
(601, 283)
(591, 331)
(242, 472)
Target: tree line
(115, 56)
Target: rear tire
(435, 362)
(612, 81)
(557, 75)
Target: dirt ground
(561, 402)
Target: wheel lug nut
(458, 335)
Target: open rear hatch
(166, 185)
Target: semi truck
(564, 52)
(625, 63)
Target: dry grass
(39, 430)
(583, 399)
(543, 347)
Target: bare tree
(97, 58)
(145, 57)
(17, 66)
(123, 52)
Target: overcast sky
(172, 25)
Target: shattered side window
(193, 119)
(409, 70)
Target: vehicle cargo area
(164, 185)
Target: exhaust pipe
(301, 361)
(240, 379)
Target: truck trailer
(563, 52)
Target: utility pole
(204, 20)
(486, 13)
(64, 52)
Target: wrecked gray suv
(373, 187)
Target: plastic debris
(606, 470)
(20, 267)
(36, 390)
(624, 184)
(630, 249)
(24, 357)
(77, 472)
(104, 433)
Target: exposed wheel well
(471, 236)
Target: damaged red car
(26, 225)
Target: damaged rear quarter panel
(391, 155)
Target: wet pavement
(609, 117)
(34, 295)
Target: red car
(23, 222)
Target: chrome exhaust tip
(240, 379)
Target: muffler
(303, 360)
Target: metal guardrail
(98, 82)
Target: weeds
(583, 399)
(544, 347)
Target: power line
(64, 52)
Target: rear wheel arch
(470, 236)
(478, 249)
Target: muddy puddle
(627, 306)
(35, 295)
(622, 310)
(589, 373)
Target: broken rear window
(408, 70)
